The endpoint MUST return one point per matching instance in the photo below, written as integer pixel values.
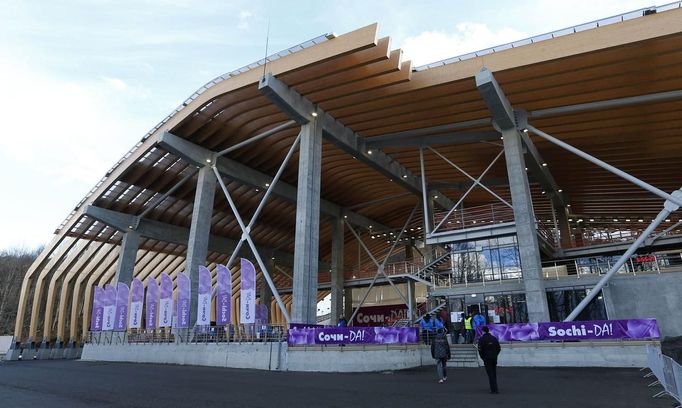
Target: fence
(667, 371)
(243, 333)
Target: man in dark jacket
(488, 349)
(440, 350)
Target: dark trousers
(441, 368)
(491, 370)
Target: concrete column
(564, 227)
(127, 256)
(348, 303)
(411, 299)
(306, 253)
(337, 270)
(265, 291)
(197, 245)
(524, 217)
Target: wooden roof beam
(301, 110)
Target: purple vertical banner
(109, 307)
(122, 293)
(248, 293)
(136, 299)
(166, 302)
(261, 314)
(152, 303)
(97, 310)
(183, 301)
(204, 297)
(223, 299)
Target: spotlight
(369, 152)
(314, 114)
(544, 164)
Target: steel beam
(449, 138)
(236, 171)
(179, 235)
(301, 110)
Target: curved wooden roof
(368, 86)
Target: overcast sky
(82, 81)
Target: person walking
(440, 351)
(342, 322)
(488, 349)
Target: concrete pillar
(127, 256)
(266, 292)
(524, 217)
(564, 227)
(411, 300)
(197, 245)
(348, 303)
(337, 270)
(306, 253)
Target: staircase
(426, 272)
(463, 355)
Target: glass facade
(562, 301)
(493, 259)
(496, 307)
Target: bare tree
(13, 266)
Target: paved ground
(76, 384)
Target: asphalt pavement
(75, 384)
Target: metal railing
(668, 373)
(470, 217)
(242, 333)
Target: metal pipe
(606, 166)
(265, 198)
(245, 234)
(425, 194)
(471, 177)
(473, 185)
(256, 138)
(668, 207)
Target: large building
(341, 169)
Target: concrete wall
(5, 342)
(655, 295)
(582, 354)
(275, 356)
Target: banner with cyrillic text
(97, 315)
(247, 310)
(223, 299)
(122, 294)
(302, 335)
(166, 301)
(152, 303)
(183, 306)
(137, 297)
(109, 307)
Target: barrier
(667, 371)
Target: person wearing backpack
(488, 350)
(440, 351)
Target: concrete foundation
(279, 357)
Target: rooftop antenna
(267, 40)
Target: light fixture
(580, 220)
(544, 164)
(667, 220)
(560, 190)
(544, 192)
(525, 130)
(370, 226)
(526, 168)
(627, 220)
(568, 205)
(208, 160)
(436, 196)
(570, 219)
(314, 114)
(345, 216)
(501, 137)
(267, 184)
(369, 152)
(257, 190)
(591, 219)
(473, 295)
(419, 228)
(130, 226)
(640, 220)
(615, 220)
(404, 175)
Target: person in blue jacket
(478, 321)
(428, 328)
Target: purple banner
(109, 304)
(97, 310)
(223, 302)
(183, 301)
(166, 301)
(247, 309)
(300, 335)
(574, 331)
(204, 297)
(261, 314)
(152, 303)
(137, 297)
(122, 293)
